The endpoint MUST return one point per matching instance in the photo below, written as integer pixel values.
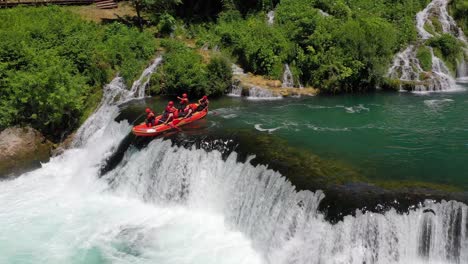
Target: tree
(154, 7)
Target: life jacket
(183, 101)
(203, 103)
(150, 116)
(170, 109)
(193, 107)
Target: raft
(142, 130)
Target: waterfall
(406, 67)
(271, 17)
(288, 79)
(139, 86)
(115, 94)
(167, 204)
(283, 224)
(259, 93)
(323, 13)
(236, 90)
(236, 70)
(462, 71)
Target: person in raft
(183, 102)
(188, 111)
(203, 103)
(150, 117)
(169, 112)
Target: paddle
(171, 125)
(137, 118)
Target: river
(167, 204)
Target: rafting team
(185, 110)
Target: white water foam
(259, 93)
(437, 104)
(269, 130)
(165, 204)
(284, 224)
(63, 213)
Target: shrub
(51, 62)
(425, 58)
(183, 71)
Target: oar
(178, 129)
(137, 118)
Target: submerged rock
(22, 149)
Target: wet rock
(64, 145)
(21, 150)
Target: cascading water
(63, 212)
(271, 17)
(165, 204)
(284, 224)
(115, 94)
(139, 86)
(288, 79)
(462, 70)
(259, 93)
(236, 90)
(236, 70)
(407, 68)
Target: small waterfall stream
(288, 79)
(271, 17)
(115, 94)
(406, 67)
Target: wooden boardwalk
(103, 4)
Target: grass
(92, 13)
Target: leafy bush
(183, 71)
(337, 45)
(459, 10)
(51, 62)
(448, 48)
(447, 44)
(425, 58)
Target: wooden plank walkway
(102, 4)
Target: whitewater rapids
(167, 204)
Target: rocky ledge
(22, 149)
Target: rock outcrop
(22, 149)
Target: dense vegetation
(53, 64)
(337, 46)
(184, 70)
(459, 10)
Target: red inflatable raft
(144, 131)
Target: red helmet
(170, 103)
(184, 95)
(205, 97)
(147, 110)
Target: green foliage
(159, 12)
(166, 24)
(183, 71)
(447, 44)
(220, 75)
(51, 61)
(425, 58)
(259, 48)
(337, 46)
(448, 48)
(459, 10)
